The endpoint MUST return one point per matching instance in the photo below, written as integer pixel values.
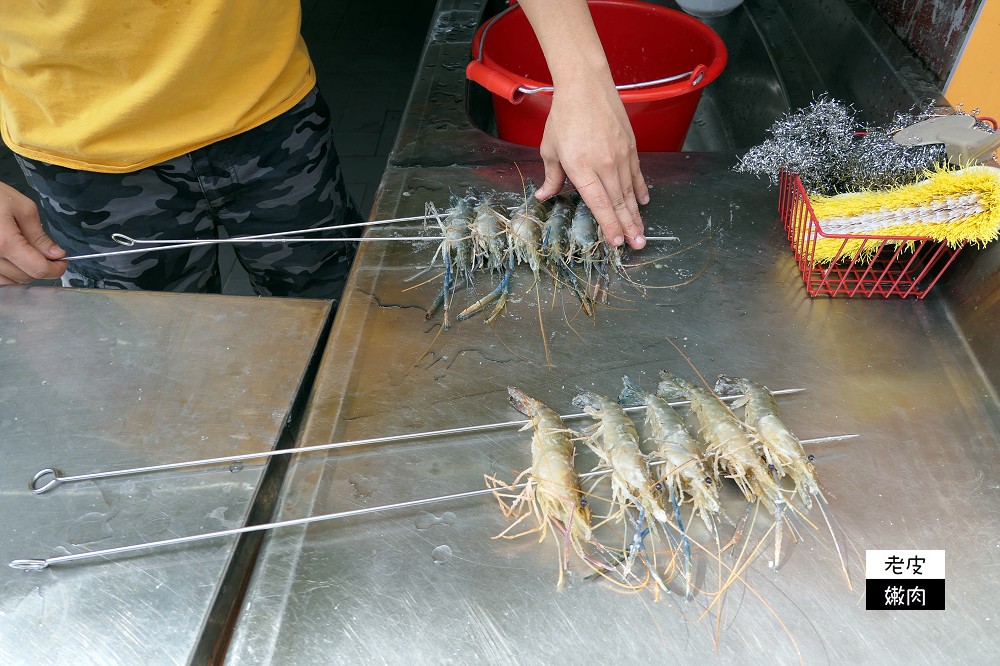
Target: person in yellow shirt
(162, 120)
(159, 121)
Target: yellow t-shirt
(118, 85)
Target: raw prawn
(553, 490)
(555, 249)
(779, 447)
(616, 441)
(555, 232)
(584, 245)
(685, 470)
(488, 231)
(455, 250)
(525, 229)
(732, 447)
(489, 247)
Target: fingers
(588, 138)
(613, 202)
(21, 262)
(11, 274)
(555, 177)
(627, 208)
(31, 228)
(26, 252)
(638, 182)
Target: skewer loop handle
(29, 565)
(56, 480)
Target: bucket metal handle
(502, 85)
(697, 74)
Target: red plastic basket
(901, 266)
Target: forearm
(569, 41)
(588, 137)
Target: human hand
(588, 138)
(26, 252)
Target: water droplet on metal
(362, 487)
(441, 554)
(426, 520)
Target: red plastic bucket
(643, 43)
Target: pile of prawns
(558, 236)
(650, 491)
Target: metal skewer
(224, 241)
(280, 237)
(169, 244)
(128, 241)
(172, 244)
(43, 563)
(57, 478)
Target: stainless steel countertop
(115, 379)
(430, 585)
(101, 380)
(384, 588)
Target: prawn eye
(708, 480)
(659, 486)
(583, 502)
(811, 457)
(770, 467)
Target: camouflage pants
(281, 176)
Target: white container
(708, 8)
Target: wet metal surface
(98, 380)
(430, 585)
(112, 380)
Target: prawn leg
(637, 549)
(499, 294)
(685, 542)
(585, 302)
(442, 297)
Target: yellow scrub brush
(955, 207)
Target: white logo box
(904, 564)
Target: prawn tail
(631, 395)
(637, 549)
(671, 387)
(726, 385)
(587, 399)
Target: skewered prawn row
(684, 467)
(560, 237)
